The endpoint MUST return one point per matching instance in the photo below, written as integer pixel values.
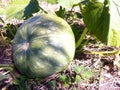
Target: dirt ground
(106, 76)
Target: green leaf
(77, 78)
(114, 26)
(61, 12)
(94, 20)
(52, 83)
(102, 18)
(87, 74)
(62, 78)
(31, 8)
(68, 3)
(2, 10)
(20, 83)
(14, 9)
(78, 69)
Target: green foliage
(7, 32)
(102, 18)
(21, 83)
(31, 8)
(91, 12)
(98, 16)
(53, 84)
(14, 9)
(81, 38)
(64, 79)
(78, 78)
(114, 27)
(87, 74)
(61, 12)
(82, 73)
(78, 69)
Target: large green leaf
(102, 19)
(114, 28)
(14, 9)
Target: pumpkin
(43, 45)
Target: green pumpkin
(43, 45)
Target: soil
(106, 74)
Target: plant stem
(81, 38)
(104, 53)
(10, 30)
(43, 10)
(2, 37)
(6, 66)
(83, 45)
(2, 20)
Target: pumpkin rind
(43, 45)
